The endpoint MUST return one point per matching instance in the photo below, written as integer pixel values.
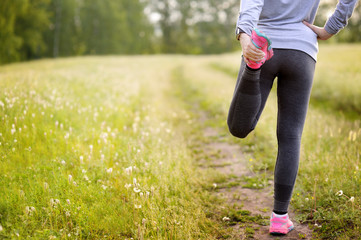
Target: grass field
(99, 147)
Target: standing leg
(294, 86)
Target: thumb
(313, 28)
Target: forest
(33, 29)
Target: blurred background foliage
(32, 29)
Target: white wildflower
(224, 219)
(63, 162)
(137, 190)
(104, 187)
(137, 206)
(83, 171)
(127, 185)
(46, 185)
(352, 199)
(214, 185)
(109, 170)
(70, 177)
(339, 193)
(86, 178)
(1, 228)
(68, 201)
(129, 170)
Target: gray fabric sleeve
(249, 15)
(340, 17)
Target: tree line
(31, 29)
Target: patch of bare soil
(230, 160)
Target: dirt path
(258, 202)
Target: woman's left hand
(322, 34)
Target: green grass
(108, 147)
(92, 148)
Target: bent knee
(239, 132)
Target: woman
(288, 24)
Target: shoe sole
(281, 234)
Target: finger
(255, 56)
(313, 27)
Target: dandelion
(27, 210)
(224, 219)
(54, 202)
(109, 170)
(339, 193)
(66, 135)
(70, 177)
(137, 206)
(352, 199)
(129, 170)
(67, 213)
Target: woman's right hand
(250, 52)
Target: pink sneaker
(261, 41)
(280, 225)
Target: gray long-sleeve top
(281, 21)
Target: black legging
(294, 71)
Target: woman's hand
(322, 34)
(250, 52)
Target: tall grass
(90, 149)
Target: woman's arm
(337, 21)
(250, 11)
